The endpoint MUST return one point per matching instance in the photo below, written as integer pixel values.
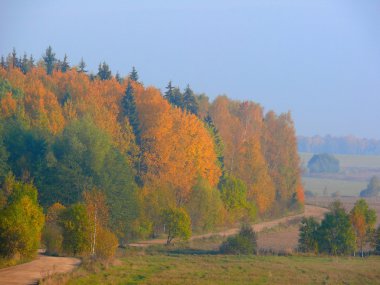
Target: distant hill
(338, 145)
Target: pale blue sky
(318, 58)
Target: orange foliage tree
(177, 148)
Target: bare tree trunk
(94, 235)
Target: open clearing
(347, 161)
(355, 173)
(320, 186)
(31, 272)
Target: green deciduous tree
(336, 234)
(76, 230)
(21, 220)
(177, 223)
(4, 167)
(204, 206)
(308, 239)
(83, 157)
(233, 192)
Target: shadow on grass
(192, 251)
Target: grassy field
(344, 187)
(356, 170)
(222, 269)
(363, 161)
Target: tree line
(341, 233)
(339, 145)
(154, 156)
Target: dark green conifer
(189, 101)
(82, 66)
(128, 104)
(65, 65)
(25, 67)
(134, 75)
(104, 72)
(50, 60)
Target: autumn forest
(80, 139)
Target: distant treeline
(338, 145)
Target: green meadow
(223, 269)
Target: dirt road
(31, 272)
(310, 211)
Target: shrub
(106, 244)
(245, 242)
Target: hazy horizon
(320, 59)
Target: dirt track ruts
(310, 211)
(31, 272)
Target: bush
(245, 242)
(106, 244)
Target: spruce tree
(134, 75)
(82, 66)
(189, 101)
(3, 63)
(58, 65)
(31, 62)
(174, 95)
(118, 78)
(169, 91)
(219, 146)
(14, 59)
(129, 110)
(50, 60)
(65, 65)
(104, 72)
(25, 67)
